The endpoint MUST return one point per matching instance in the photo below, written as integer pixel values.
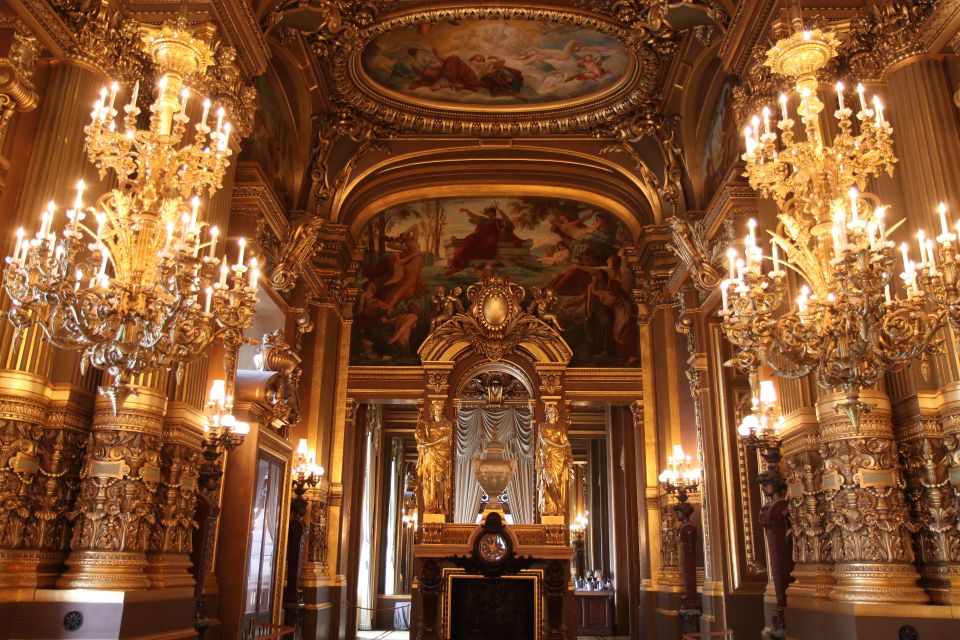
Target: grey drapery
(515, 431)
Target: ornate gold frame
(357, 91)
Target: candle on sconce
(732, 257)
(942, 209)
(840, 95)
(214, 232)
(723, 293)
(776, 255)
(783, 106)
(242, 243)
(206, 111)
(766, 120)
(863, 100)
(223, 274)
(206, 306)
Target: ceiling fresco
(496, 62)
(571, 247)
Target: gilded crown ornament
(847, 324)
(134, 282)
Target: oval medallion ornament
(495, 310)
(495, 62)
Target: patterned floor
(404, 635)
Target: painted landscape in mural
(501, 62)
(571, 247)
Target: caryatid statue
(553, 463)
(435, 449)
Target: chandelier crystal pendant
(134, 282)
(847, 324)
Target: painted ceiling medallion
(488, 71)
(520, 64)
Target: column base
(941, 582)
(29, 568)
(815, 619)
(877, 582)
(105, 570)
(169, 570)
(811, 580)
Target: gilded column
(806, 499)
(39, 457)
(949, 413)
(867, 522)
(171, 537)
(925, 134)
(115, 509)
(933, 505)
(17, 92)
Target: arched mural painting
(570, 247)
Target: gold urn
(494, 471)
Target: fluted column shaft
(867, 521)
(41, 434)
(926, 131)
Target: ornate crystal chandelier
(680, 476)
(847, 324)
(134, 282)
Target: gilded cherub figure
(541, 306)
(446, 305)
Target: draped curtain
(515, 430)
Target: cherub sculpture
(541, 305)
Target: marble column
(116, 505)
(867, 520)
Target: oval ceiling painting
(496, 62)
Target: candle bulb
(739, 270)
(135, 94)
(113, 95)
(783, 106)
(766, 120)
(732, 257)
(227, 128)
(184, 95)
(906, 256)
(942, 209)
(840, 95)
(878, 108)
(836, 240)
(242, 243)
(214, 232)
(195, 204)
(219, 119)
(880, 214)
(863, 100)
(723, 293)
(886, 294)
(206, 306)
(748, 140)
(752, 226)
(922, 243)
(206, 112)
(254, 273)
(166, 246)
(16, 252)
(931, 258)
(223, 275)
(776, 255)
(756, 129)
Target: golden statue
(435, 447)
(553, 463)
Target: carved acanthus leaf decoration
(363, 133)
(702, 256)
